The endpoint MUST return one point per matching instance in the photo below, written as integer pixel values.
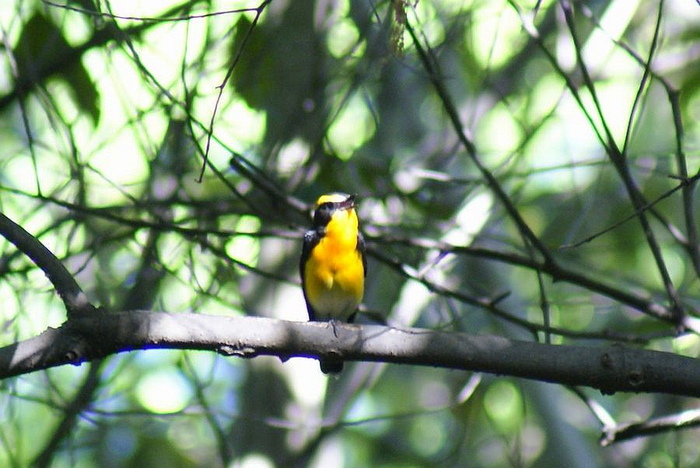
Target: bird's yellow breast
(334, 273)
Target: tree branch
(67, 288)
(609, 369)
(685, 420)
(436, 80)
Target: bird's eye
(322, 214)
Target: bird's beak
(348, 203)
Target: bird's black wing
(311, 238)
(361, 249)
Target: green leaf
(42, 52)
(279, 67)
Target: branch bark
(609, 369)
(67, 288)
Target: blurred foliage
(108, 110)
(41, 53)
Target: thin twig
(491, 304)
(648, 206)
(619, 433)
(567, 9)
(82, 399)
(145, 19)
(258, 12)
(643, 83)
(619, 161)
(437, 82)
(557, 272)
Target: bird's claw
(334, 324)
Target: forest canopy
(526, 179)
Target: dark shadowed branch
(609, 369)
(622, 432)
(66, 286)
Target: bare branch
(555, 271)
(609, 369)
(619, 160)
(258, 12)
(437, 82)
(66, 286)
(685, 420)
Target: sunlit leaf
(42, 52)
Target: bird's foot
(334, 324)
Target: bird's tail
(331, 366)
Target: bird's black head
(328, 204)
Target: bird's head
(337, 206)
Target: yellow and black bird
(333, 264)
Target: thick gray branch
(609, 369)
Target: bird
(333, 265)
